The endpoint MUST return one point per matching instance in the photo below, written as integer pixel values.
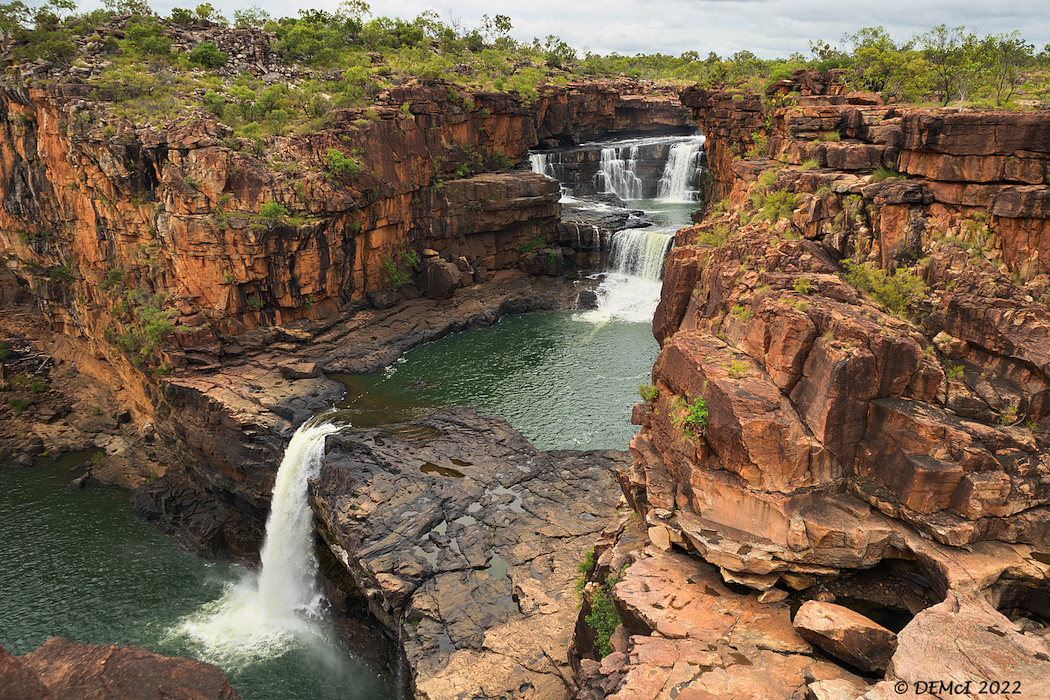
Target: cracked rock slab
(466, 540)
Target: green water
(566, 380)
(82, 565)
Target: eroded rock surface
(466, 540)
(73, 671)
(690, 636)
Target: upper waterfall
(657, 175)
(678, 182)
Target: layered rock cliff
(193, 263)
(853, 369)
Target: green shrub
(956, 373)
(694, 419)
(207, 54)
(809, 164)
(5, 350)
(18, 405)
(742, 312)
(892, 291)
(738, 369)
(275, 212)
(803, 285)
(531, 245)
(603, 619)
(255, 303)
(648, 392)
(341, 164)
(882, 174)
(716, 236)
(777, 205)
(398, 273)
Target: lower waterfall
(264, 615)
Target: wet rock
(846, 634)
(465, 539)
(80, 482)
(72, 671)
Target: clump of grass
(885, 174)
(648, 392)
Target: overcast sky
(769, 28)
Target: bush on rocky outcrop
(894, 292)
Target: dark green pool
(566, 380)
(82, 565)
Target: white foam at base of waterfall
(264, 615)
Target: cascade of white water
(262, 616)
(616, 173)
(541, 164)
(639, 252)
(676, 183)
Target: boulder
(440, 279)
(846, 634)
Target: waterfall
(616, 174)
(683, 161)
(630, 288)
(640, 253)
(264, 615)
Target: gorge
(847, 399)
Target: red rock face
(73, 671)
(836, 413)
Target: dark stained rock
(465, 539)
(439, 279)
(73, 671)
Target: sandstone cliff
(193, 263)
(853, 369)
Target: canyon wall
(853, 375)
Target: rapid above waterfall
(659, 176)
(262, 616)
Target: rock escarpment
(195, 263)
(871, 354)
(465, 540)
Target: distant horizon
(671, 27)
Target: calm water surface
(566, 380)
(82, 565)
